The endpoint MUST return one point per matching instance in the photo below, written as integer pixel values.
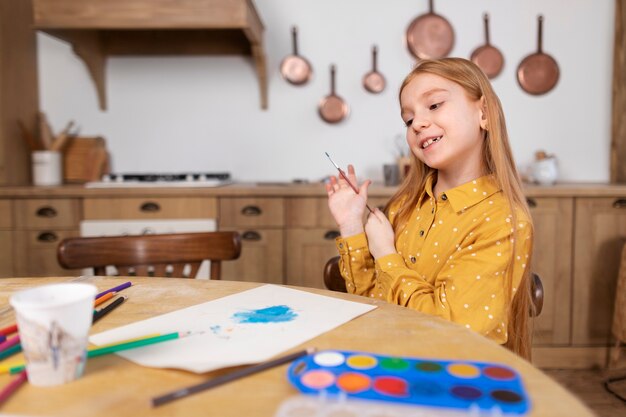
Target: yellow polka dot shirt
(453, 258)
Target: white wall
(171, 114)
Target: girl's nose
(419, 124)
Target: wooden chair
(335, 282)
(151, 255)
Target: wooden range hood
(97, 29)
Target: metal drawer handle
(251, 211)
(531, 202)
(331, 235)
(150, 207)
(47, 237)
(619, 203)
(46, 211)
(251, 236)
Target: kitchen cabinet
(98, 29)
(6, 238)
(600, 233)
(148, 208)
(311, 232)
(260, 223)
(551, 259)
(19, 95)
(40, 224)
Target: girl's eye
(435, 106)
(408, 123)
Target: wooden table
(113, 386)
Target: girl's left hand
(380, 235)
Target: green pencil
(92, 353)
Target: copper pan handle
(374, 58)
(540, 34)
(486, 19)
(431, 7)
(332, 80)
(294, 39)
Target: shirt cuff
(389, 262)
(351, 243)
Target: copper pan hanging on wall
(374, 81)
(488, 57)
(294, 68)
(430, 35)
(332, 108)
(538, 73)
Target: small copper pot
(488, 57)
(538, 73)
(332, 108)
(430, 35)
(374, 81)
(295, 69)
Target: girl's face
(443, 125)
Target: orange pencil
(104, 298)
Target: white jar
(47, 167)
(545, 171)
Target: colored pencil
(104, 298)
(223, 379)
(9, 342)
(8, 330)
(12, 386)
(105, 350)
(118, 288)
(11, 351)
(106, 310)
(2, 338)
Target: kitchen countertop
(287, 189)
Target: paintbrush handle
(343, 175)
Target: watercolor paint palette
(479, 388)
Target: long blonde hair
(497, 161)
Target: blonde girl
(456, 238)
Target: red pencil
(8, 330)
(12, 386)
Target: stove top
(185, 179)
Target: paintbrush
(343, 175)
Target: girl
(458, 240)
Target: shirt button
(444, 197)
(413, 259)
(421, 233)
(341, 245)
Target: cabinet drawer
(40, 214)
(6, 214)
(150, 208)
(36, 252)
(252, 212)
(314, 212)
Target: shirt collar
(471, 193)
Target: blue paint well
(274, 314)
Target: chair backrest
(151, 255)
(335, 282)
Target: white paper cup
(53, 322)
(47, 168)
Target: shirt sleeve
(472, 288)
(356, 264)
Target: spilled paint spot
(274, 314)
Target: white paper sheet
(249, 327)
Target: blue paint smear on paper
(274, 314)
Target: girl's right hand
(346, 206)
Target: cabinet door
(261, 258)
(36, 253)
(308, 252)
(600, 236)
(6, 253)
(552, 253)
